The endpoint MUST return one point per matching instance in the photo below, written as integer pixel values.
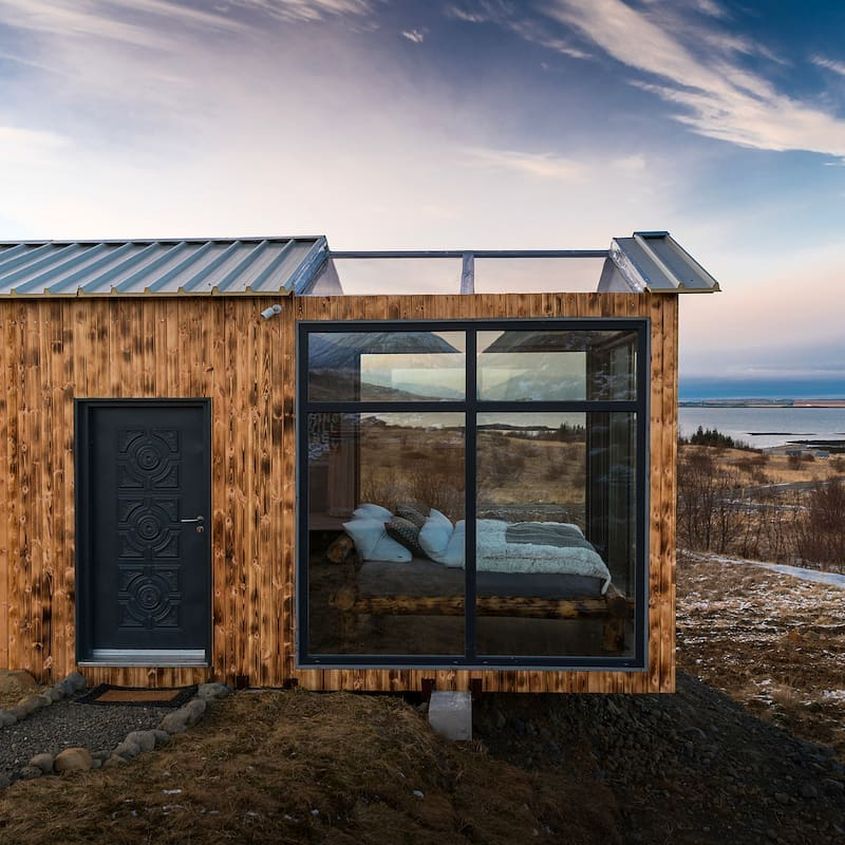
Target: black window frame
(470, 406)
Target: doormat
(138, 696)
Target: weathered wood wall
(52, 351)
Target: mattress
(423, 577)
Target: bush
(713, 437)
(821, 527)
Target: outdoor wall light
(272, 311)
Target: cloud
(505, 15)
(416, 36)
(717, 98)
(308, 10)
(830, 64)
(541, 165)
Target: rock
(46, 699)
(499, 720)
(18, 712)
(175, 722)
(31, 703)
(5, 780)
(16, 681)
(145, 740)
(76, 681)
(73, 760)
(195, 709)
(127, 750)
(54, 693)
(161, 737)
(113, 761)
(781, 798)
(212, 690)
(7, 719)
(808, 790)
(30, 773)
(102, 756)
(835, 787)
(96, 764)
(43, 762)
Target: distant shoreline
(762, 403)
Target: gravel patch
(66, 724)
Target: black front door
(143, 508)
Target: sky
(459, 124)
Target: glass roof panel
(374, 276)
(537, 275)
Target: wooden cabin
(270, 463)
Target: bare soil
(771, 641)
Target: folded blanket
(564, 535)
(494, 553)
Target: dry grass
(772, 641)
(777, 469)
(291, 767)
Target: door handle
(195, 519)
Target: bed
(526, 570)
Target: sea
(763, 427)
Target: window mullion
(470, 493)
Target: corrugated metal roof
(656, 262)
(191, 267)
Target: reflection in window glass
(372, 482)
(386, 366)
(544, 366)
(556, 533)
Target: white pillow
(372, 543)
(370, 511)
(365, 533)
(388, 549)
(435, 534)
(453, 556)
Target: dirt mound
(14, 685)
(693, 768)
(299, 767)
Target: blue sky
(481, 123)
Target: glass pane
(537, 275)
(539, 365)
(556, 534)
(376, 276)
(372, 481)
(379, 366)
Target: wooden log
(503, 606)
(341, 549)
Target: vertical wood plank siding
(52, 351)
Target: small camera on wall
(272, 311)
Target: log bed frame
(613, 608)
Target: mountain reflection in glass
(386, 366)
(550, 366)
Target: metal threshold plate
(152, 657)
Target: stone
(175, 722)
(213, 690)
(46, 699)
(7, 719)
(127, 749)
(73, 760)
(5, 780)
(781, 798)
(31, 703)
(54, 693)
(43, 762)
(18, 712)
(96, 764)
(113, 761)
(195, 709)
(161, 737)
(102, 756)
(76, 680)
(450, 715)
(16, 681)
(145, 740)
(808, 790)
(30, 773)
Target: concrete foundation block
(450, 715)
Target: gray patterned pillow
(412, 514)
(405, 532)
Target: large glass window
(472, 493)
